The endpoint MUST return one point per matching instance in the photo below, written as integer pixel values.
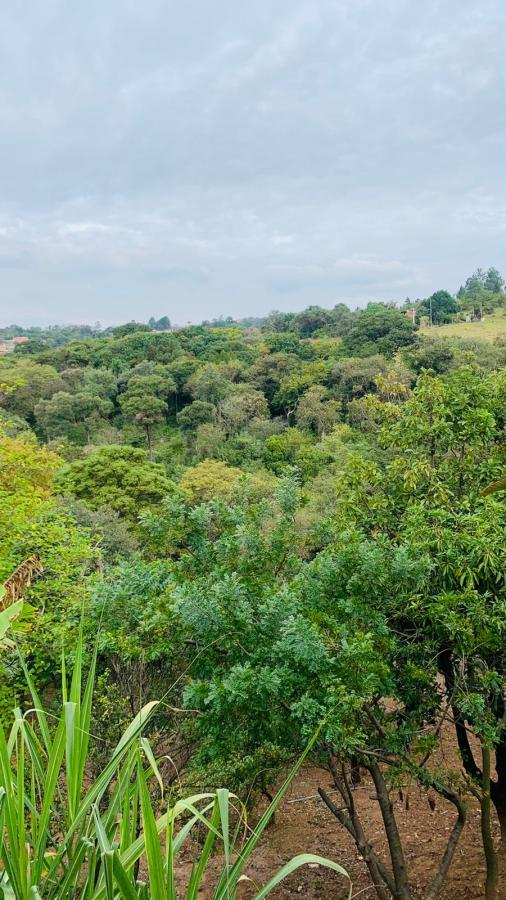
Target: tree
(162, 324)
(491, 281)
(34, 528)
(23, 383)
(279, 321)
(197, 413)
(143, 403)
(63, 413)
(291, 449)
(440, 307)
(494, 282)
(144, 410)
(119, 353)
(293, 386)
(181, 369)
(31, 347)
(99, 382)
(316, 411)
(208, 480)
(243, 404)
(209, 441)
(129, 328)
(283, 342)
(312, 319)
(482, 291)
(356, 377)
(342, 319)
(379, 329)
(431, 353)
(447, 445)
(285, 646)
(269, 370)
(119, 477)
(209, 384)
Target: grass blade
(151, 837)
(303, 859)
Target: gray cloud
(201, 159)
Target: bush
(62, 835)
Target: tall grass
(63, 835)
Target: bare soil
(304, 825)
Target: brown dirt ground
(305, 825)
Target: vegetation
(295, 525)
(62, 836)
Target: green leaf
(303, 859)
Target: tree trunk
(382, 881)
(363, 846)
(148, 440)
(399, 867)
(498, 787)
(466, 753)
(451, 846)
(486, 829)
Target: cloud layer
(204, 158)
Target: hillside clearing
(489, 329)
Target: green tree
(440, 307)
(143, 402)
(356, 377)
(293, 448)
(197, 413)
(286, 645)
(379, 329)
(316, 411)
(243, 404)
(63, 413)
(294, 385)
(145, 410)
(312, 319)
(162, 324)
(210, 384)
(209, 479)
(445, 446)
(121, 478)
(23, 383)
(494, 282)
(129, 328)
(269, 370)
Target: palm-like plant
(64, 837)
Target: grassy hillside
(492, 326)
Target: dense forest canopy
(289, 520)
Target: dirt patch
(304, 825)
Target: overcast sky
(228, 157)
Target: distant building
(10, 345)
(411, 314)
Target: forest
(235, 552)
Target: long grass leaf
(303, 859)
(195, 883)
(151, 837)
(229, 879)
(121, 877)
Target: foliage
(209, 479)
(23, 383)
(316, 411)
(379, 329)
(62, 834)
(119, 477)
(440, 307)
(323, 529)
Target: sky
(198, 158)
